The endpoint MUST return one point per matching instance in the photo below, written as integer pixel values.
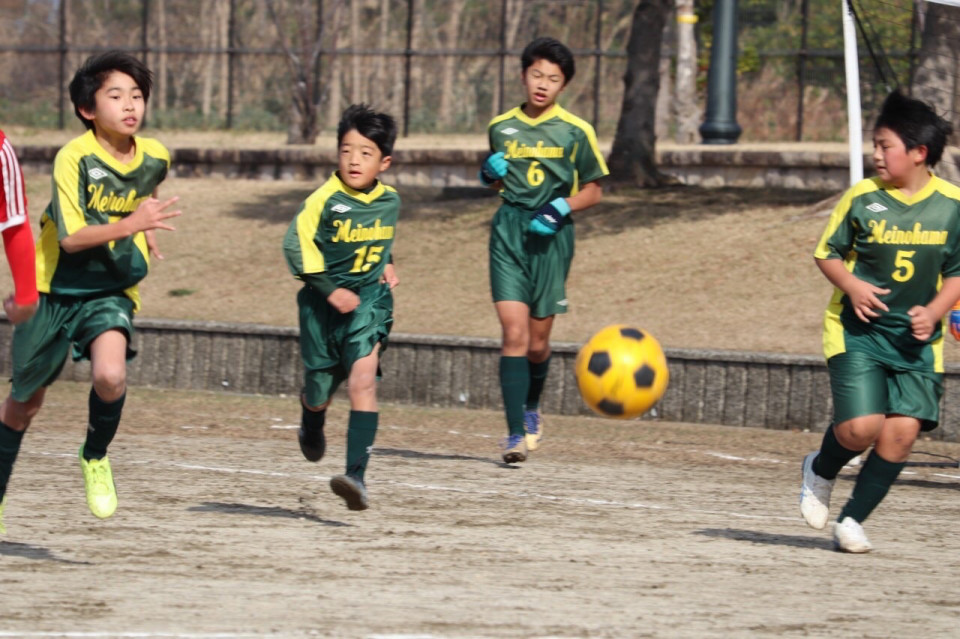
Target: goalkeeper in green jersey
(546, 164)
(339, 244)
(892, 251)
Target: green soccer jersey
(346, 234)
(547, 157)
(903, 244)
(90, 186)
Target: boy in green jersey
(96, 236)
(340, 245)
(546, 164)
(892, 252)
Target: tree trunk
(451, 31)
(688, 113)
(632, 158)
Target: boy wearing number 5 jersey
(892, 252)
(339, 244)
(546, 164)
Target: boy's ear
(86, 113)
(919, 153)
(385, 163)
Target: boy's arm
(150, 214)
(864, 297)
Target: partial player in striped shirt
(17, 237)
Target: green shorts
(330, 341)
(40, 345)
(526, 267)
(863, 385)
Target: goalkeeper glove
(548, 219)
(494, 168)
(955, 321)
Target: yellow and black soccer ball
(622, 372)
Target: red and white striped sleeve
(13, 198)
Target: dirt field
(610, 530)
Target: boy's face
(543, 81)
(894, 163)
(360, 160)
(118, 106)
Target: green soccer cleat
(101, 491)
(3, 502)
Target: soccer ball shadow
(621, 372)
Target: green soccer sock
(9, 448)
(873, 482)
(538, 375)
(833, 456)
(104, 421)
(312, 420)
(514, 384)
(361, 432)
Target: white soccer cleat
(848, 536)
(815, 495)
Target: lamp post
(720, 124)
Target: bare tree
(632, 157)
(299, 31)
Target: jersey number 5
(904, 266)
(367, 256)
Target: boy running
(95, 237)
(339, 244)
(892, 250)
(545, 162)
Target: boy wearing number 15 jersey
(339, 244)
(546, 164)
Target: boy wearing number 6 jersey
(546, 164)
(339, 244)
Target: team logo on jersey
(509, 130)
(97, 173)
(876, 207)
(563, 303)
(340, 208)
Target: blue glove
(548, 219)
(955, 323)
(494, 168)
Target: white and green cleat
(98, 481)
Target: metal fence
(441, 66)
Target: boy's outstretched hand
(152, 214)
(390, 276)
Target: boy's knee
(110, 385)
(18, 415)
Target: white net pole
(854, 118)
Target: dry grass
(724, 269)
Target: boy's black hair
(376, 126)
(551, 50)
(90, 76)
(916, 123)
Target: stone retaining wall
(709, 166)
(762, 390)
